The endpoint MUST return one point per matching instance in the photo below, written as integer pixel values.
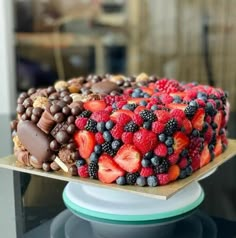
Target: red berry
(178, 113)
(120, 104)
(162, 116)
(183, 163)
(166, 98)
(161, 150)
(83, 171)
(122, 116)
(99, 138)
(158, 127)
(173, 159)
(95, 105)
(80, 122)
(137, 119)
(146, 172)
(127, 137)
(108, 109)
(163, 179)
(100, 116)
(208, 134)
(117, 131)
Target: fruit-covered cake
(142, 130)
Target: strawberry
(138, 109)
(128, 158)
(95, 105)
(218, 120)
(145, 140)
(161, 150)
(205, 156)
(181, 141)
(100, 116)
(198, 119)
(162, 116)
(163, 179)
(218, 147)
(187, 125)
(146, 171)
(127, 137)
(85, 141)
(208, 134)
(83, 171)
(180, 106)
(147, 90)
(179, 94)
(122, 116)
(108, 170)
(81, 122)
(158, 127)
(173, 172)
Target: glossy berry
(148, 115)
(116, 144)
(145, 163)
(163, 167)
(93, 170)
(131, 178)
(94, 157)
(80, 162)
(171, 126)
(148, 155)
(85, 113)
(101, 126)
(152, 181)
(91, 125)
(107, 136)
(169, 141)
(147, 125)
(162, 137)
(156, 160)
(121, 180)
(131, 127)
(106, 147)
(98, 149)
(190, 111)
(109, 125)
(141, 181)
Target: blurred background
(184, 39)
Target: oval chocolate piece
(104, 87)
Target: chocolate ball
(71, 119)
(64, 94)
(75, 111)
(35, 162)
(71, 146)
(27, 102)
(23, 95)
(53, 96)
(37, 111)
(62, 137)
(51, 90)
(71, 129)
(73, 170)
(14, 124)
(54, 109)
(34, 118)
(20, 109)
(24, 117)
(54, 166)
(31, 91)
(75, 155)
(54, 145)
(28, 111)
(61, 103)
(66, 110)
(20, 100)
(59, 117)
(67, 99)
(46, 167)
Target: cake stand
(119, 214)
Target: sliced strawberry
(205, 156)
(218, 147)
(181, 141)
(138, 109)
(115, 114)
(128, 158)
(198, 119)
(85, 141)
(108, 170)
(180, 106)
(218, 120)
(95, 105)
(147, 90)
(187, 125)
(180, 94)
(137, 100)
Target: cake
(142, 130)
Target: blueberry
(109, 125)
(94, 157)
(211, 147)
(145, 163)
(98, 149)
(141, 181)
(156, 160)
(189, 170)
(114, 105)
(169, 141)
(80, 162)
(214, 125)
(116, 144)
(121, 180)
(193, 104)
(177, 99)
(107, 136)
(162, 137)
(195, 133)
(170, 150)
(148, 155)
(101, 126)
(146, 95)
(143, 103)
(135, 95)
(154, 107)
(137, 90)
(183, 174)
(147, 125)
(184, 153)
(152, 181)
(202, 95)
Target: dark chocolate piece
(104, 87)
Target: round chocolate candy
(61, 103)
(71, 129)
(62, 137)
(14, 124)
(46, 167)
(54, 109)
(20, 100)
(53, 96)
(36, 163)
(51, 90)
(66, 110)
(75, 111)
(59, 117)
(64, 93)
(75, 155)
(24, 117)
(28, 111)
(31, 91)
(54, 166)
(73, 170)
(23, 95)
(71, 119)
(28, 102)
(54, 145)
(34, 118)
(20, 109)
(67, 99)
(37, 111)
(71, 146)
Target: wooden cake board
(160, 192)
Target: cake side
(129, 130)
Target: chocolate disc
(104, 87)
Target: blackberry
(162, 168)
(85, 113)
(106, 147)
(91, 125)
(130, 106)
(171, 126)
(131, 178)
(93, 170)
(190, 111)
(131, 127)
(148, 115)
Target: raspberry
(122, 119)
(191, 94)
(81, 122)
(83, 171)
(160, 84)
(146, 172)
(183, 163)
(100, 116)
(112, 99)
(161, 150)
(195, 163)
(173, 159)
(208, 134)
(168, 85)
(163, 116)
(137, 119)
(117, 131)
(166, 98)
(201, 102)
(163, 179)
(99, 138)
(127, 137)
(208, 119)
(177, 113)
(158, 127)
(179, 121)
(108, 109)
(120, 104)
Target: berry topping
(81, 122)
(131, 178)
(100, 116)
(131, 127)
(117, 131)
(152, 181)
(141, 181)
(91, 125)
(161, 150)
(127, 137)
(158, 127)
(93, 170)
(181, 141)
(122, 116)
(198, 119)
(171, 126)
(162, 167)
(99, 138)
(146, 172)
(163, 179)
(95, 105)
(83, 171)
(148, 115)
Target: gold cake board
(160, 192)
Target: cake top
(129, 130)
